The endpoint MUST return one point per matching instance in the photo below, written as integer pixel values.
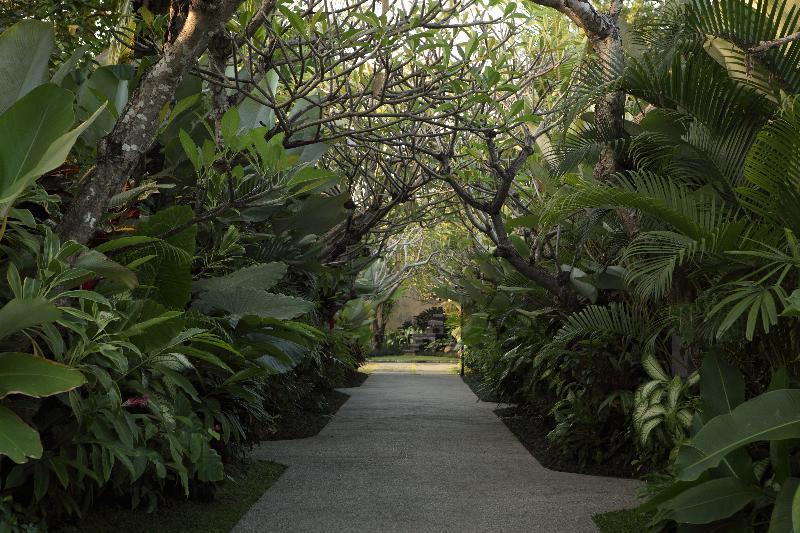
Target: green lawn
(624, 521)
(233, 499)
(414, 358)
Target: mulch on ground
(531, 428)
(352, 378)
(308, 422)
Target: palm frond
(653, 257)
(747, 23)
(693, 213)
(772, 168)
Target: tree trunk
(609, 110)
(120, 152)
(602, 30)
(609, 114)
(379, 339)
(680, 363)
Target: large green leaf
(240, 302)
(610, 278)
(254, 114)
(318, 214)
(66, 68)
(310, 179)
(263, 277)
(309, 153)
(722, 390)
(710, 501)
(773, 415)
(669, 493)
(107, 86)
(305, 111)
(22, 373)
(796, 511)
(28, 129)
(279, 355)
(721, 387)
(576, 277)
(18, 314)
(474, 329)
(35, 138)
(25, 51)
(101, 265)
(17, 439)
(209, 463)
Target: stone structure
(433, 331)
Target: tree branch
(763, 46)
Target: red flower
(136, 401)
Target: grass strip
(233, 499)
(407, 358)
(622, 521)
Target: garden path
(417, 453)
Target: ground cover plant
(209, 209)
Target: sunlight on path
(416, 452)
(411, 368)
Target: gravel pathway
(417, 453)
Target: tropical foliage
(204, 224)
(134, 365)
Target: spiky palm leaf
(653, 257)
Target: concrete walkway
(418, 453)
